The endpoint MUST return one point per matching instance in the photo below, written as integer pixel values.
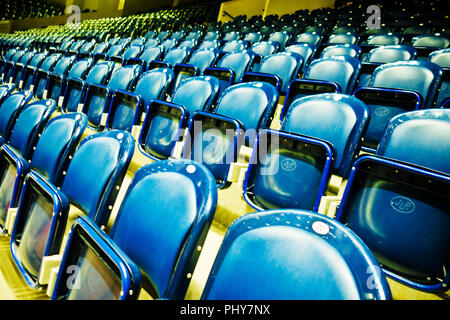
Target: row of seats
(376, 192)
(22, 9)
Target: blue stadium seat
(214, 141)
(382, 55)
(427, 43)
(165, 122)
(56, 82)
(209, 44)
(343, 38)
(126, 108)
(330, 74)
(98, 97)
(6, 90)
(236, 100)
(306, 50)
(265, 48)
(75, 91)
(198, 61)
(15, 72)
(442, 59)
(284, 65)
(234, 46)
(61, 68)
(282, 37)
(129, 53)
(10, 110)
(146, 57)
(231, 68)
(26, 78)
(150, 255)
(293, 255)
(43, 209)
(402, 190)
(309, 37)
(395, 88)
(17, 153)
(40, 75)
(320, 135)
(171, 58)
(351, 50)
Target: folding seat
(9, 110)
(279, 69)
(231, 67)
(231, 36)
(85, 51)
(151, 34)
(100, 49)
(382, 55)
(402, 190)
(198, 61)
(388, 39)
(189, 43)
(330, 74)
(168, 44)
(16, 154)
(282, 37)
(6, 90)
(306, 50)
(146, 57)
(427, 43)
(253, 37)
(341, 50)
(309, 37)
(24, 77)
(293, 255)
(171, 58)
(75, 47)
(16, 72)
(194, 35)
(127, 108)
(113, 51)
(129, 53)
(163, 35)
(320, 135)
(98, 96)
(137, 42)
(152, 260)
(265, 48)
(57, 82)
(208, 44)
(8, 66)
(76, 88)
(442, 59)
(233, 46)
(165, 122)
(212, 35)
(395, 88)
(61, 68)
(43, 210)
(343, 38)
(40, 74)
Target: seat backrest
(176, 55)
(124, 77)
(309, 37)
(203, 58)
(29, 125)
(260, 97)
(233, 46)
(290, 255)
(413, 136)
(306, 50)
(57, 144)
(165, 246)
(152, 53)
(99, 73)
(339, 119)
(282, 37)
(63, 66)
(80, 69)
(351, 50)
(343, 70)
(431, 40)
(49, 62)
(343, 38)
(286, 65)
(196, 93)
(153, 84)
(37, 59)
(265, 48)
(440, 57)
(424, 77)
(392, 53)
(105, 156)
(132, 52)
(115, 50)
(239, 62)
(383, 39)
(9, 110)
(208, 44)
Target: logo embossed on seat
(402, 204)
(288, 164)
